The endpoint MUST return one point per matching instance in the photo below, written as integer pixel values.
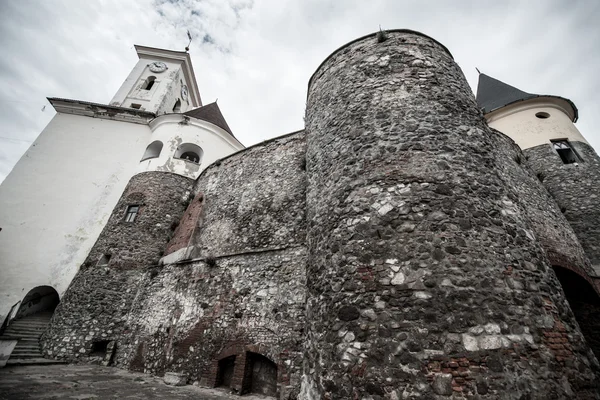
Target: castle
(413, 241)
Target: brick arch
(559, 261)
(241, 373)
(584, 302)
(237, 349)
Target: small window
(191, 156)
(177, 106)
(132, 212)
(136, 106)
(542, 115)
(189, 152)
(149, 83)
(565, 151)
(153, 150)
(103, 261)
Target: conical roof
(210, 113)
(493, 94)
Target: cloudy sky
(256, 56)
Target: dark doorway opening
(99, 348)
(585, 304)
(225, 372)
(41, 299)
(260, 375)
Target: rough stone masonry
(396, 248)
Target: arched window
(153, 150)
(149, 83)
(189, 152)
(177, 106)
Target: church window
(153, 150)
(190, 156)
(149, 83)
(177, 106)
(132, 212)
(565, 151)
(136, 106)
(189, 152)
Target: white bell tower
(162, 82)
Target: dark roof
(210, 113)
(493, 94)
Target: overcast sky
(256, 56)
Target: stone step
(21, 347)
(33, 361)
(26, 356)
(29, 321)
(27, 345)
(19, 335)
(28, 325)
(26, 349)
(21, 331)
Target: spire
(493, 94)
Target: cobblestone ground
(81, 382)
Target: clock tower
(162, 82)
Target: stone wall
(242, 292)
(101, 296)
(423, 275)
(193, 315)
(255, 200)
(576, 189)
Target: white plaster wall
(57, 199)
(162, 96)
(519, 122)
(169, 129)
(6, 348)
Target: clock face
(184, 92)
(158, 66)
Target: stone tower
(424, 272)
(544, 128)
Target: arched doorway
(585, 304)
(260, 375)
(225, 371)
(41, 299)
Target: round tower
(424, 275)
(544, 127)
(182, 142)
(136, 234)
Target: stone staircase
(27, 331)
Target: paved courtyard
(81, 382)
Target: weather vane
(187, 48)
